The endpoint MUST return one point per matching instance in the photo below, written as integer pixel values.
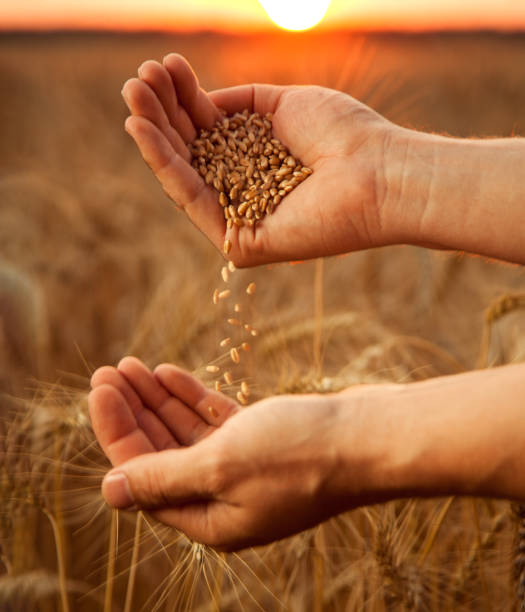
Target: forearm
(456, 193)
(456, 435)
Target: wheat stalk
(112, 555)
(519, 556)
(59, 544)
(133, 564)
(500, 307)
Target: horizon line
(327, 29)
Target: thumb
(156, 480)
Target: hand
(231, 478)
(337, 209)
(227, 478)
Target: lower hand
(226, 477)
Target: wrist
(453, 193)
(396, 441)
(430, 438)
(453, 435)
(405, 186)
(367, 467)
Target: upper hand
(337, 209)
(225, 477)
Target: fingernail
(117, 491)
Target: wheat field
(96, 263)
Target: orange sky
(248, 14)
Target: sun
(295, 14)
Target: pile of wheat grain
(250, 168)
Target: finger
(159, 435)
(115, 426)
(142, 101)
(256, 98)
(211, 406)
(200, 108)
(160, 81)
(158, 480)
(186, 425)
(108, 375)
(143, 382)
(179, 179)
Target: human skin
(374, 183)
(334, 211)
(225, 479)
(250, 476)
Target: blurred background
(95, 263)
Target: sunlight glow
(295, 14)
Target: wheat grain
(224, 342)
(213, 412)
(245, 389)
(224, 294)
(250, 289)
(234, 354)
(245, 346)
(242, 398)
(228, 378)
(217, 385)
(225, 273)
(244, 162)
(212, 368)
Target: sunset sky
(239, 15)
